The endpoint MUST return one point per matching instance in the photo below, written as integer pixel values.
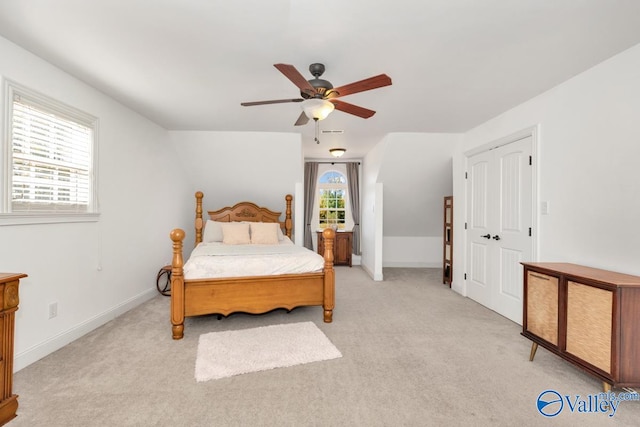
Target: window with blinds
(51, 156)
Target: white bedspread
(213, 260)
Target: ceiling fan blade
(296, 78)
(360, 86)
(345, 107)
(302, 120)
(273, 101)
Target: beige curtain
(353, 179)
(310, 178)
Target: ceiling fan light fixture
(337, 152)
(317, 109)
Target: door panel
(478, 263)
(479, 174)
(477, 227)
(510, 184)
(510, 274)
(500, 206)
(514, 220)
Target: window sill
(46, 218)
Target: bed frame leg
(329, 303)
(177, 285)
(178, 331)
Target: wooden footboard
(256, 294)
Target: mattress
(217, 260)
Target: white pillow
(235, 233)
(264, 233)
(212, 231)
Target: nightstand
(342, 247)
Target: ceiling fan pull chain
(316, 139)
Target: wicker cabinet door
(542, 306)
(589, 324)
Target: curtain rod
(332, 163)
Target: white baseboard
(402, 264)
(377, 278)
(37, 352)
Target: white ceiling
(188, 64)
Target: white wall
(412, 251)
(94, 271)
(371, 204)
(232, 167)
(589, 148)
(416, 172)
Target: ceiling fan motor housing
(321, 86)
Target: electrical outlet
(53, 310)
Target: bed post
(287, 221)
(177, 285)
(329, 275)
(199, 224)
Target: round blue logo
(550, 403)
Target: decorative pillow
(212, 231)
(235, 233)
(280, 233)
(264, 233)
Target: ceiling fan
(319, 97)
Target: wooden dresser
(342, 247)
(587, 316)
(9, 300)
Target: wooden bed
(254, 294)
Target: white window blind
(51, 156)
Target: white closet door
(498, 227)
(479, 227)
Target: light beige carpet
(414, 353)
(228, 353)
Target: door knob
(486, 236)
(496, 237)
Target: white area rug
(229, 353)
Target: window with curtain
(50, 152)
(332, 192)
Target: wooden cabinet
(9, 300)
(587, 316)
(342, 247)
(447, 263)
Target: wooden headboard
(243, 211)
